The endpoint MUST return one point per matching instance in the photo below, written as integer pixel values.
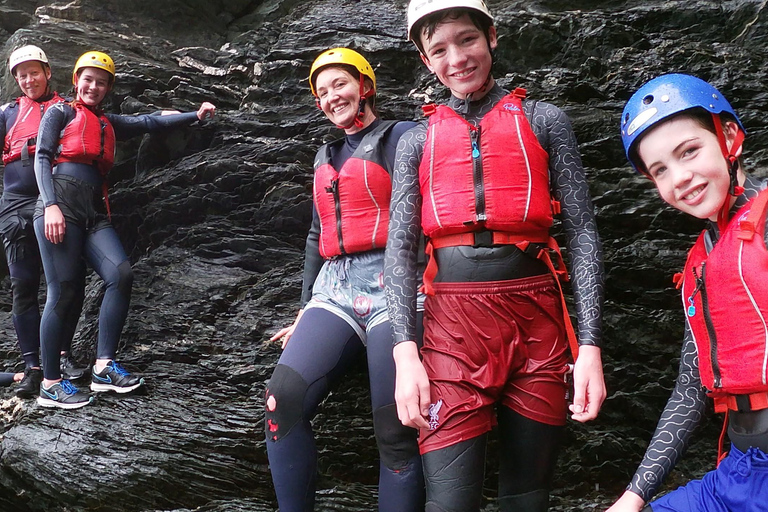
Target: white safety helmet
(418, 9)
(26, 54)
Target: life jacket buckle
(429, 109)
(746, 230)
(483, 239)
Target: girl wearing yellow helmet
(75, 152)
(343, 307)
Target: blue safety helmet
(666, 96)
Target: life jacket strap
(742, 403)
(523, 242)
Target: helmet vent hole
(626, 117)
(648, 99)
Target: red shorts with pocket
(489, 343)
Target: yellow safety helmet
(26, 54)
(340, 56)
(419, 9)
(94, 60)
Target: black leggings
(318, 355)
(527, 455)
(62, 264)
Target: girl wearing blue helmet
(683, 134)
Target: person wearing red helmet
(683, 134)
(75, 152)
(343, 307)
(19, 123)
(482, 180)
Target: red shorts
(491, 342)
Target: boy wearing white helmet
(684, 135)
(482, 181)
(19, 124)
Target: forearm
(130, 126)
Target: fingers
(206, 111)
(282, 332)
(55, 232)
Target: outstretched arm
(130, 126)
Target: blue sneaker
(63, 395)
(114, 378)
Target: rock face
(214, 219)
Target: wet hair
(700, 116)
(428, 24)
(355, 73)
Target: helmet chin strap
(358, 119)
(734, 189)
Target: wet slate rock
(214, 219)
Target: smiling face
(32, 77)
(686, 163)
(459, 55)
(339, 95)
(92, 85)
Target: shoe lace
(67, 387)
(119, 369)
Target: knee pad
(454, 476)
(397, 443)
(284, 401)
(24, 295)
(125, 277)
(534, 501)
(67, 295)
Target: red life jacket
(493, 177)
(725, 298)
(20, 140)
(353, 202)
(88, 139)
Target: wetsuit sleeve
(683, 412)
(130, 126)
(53, 122)
(570, 188)
(313, 261)
(400, 257)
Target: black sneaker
(29, 386)
(114, 378)
(68, 369)
(63, 395)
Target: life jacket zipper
(710, 327)
(334, 190)
(477, 174)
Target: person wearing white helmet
(19, 123)
(343, 310)
(482, 180)
(683, 134)
(72, 222)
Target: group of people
(430, 250)
(55, 215)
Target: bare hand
(411, 386)
(287, 332)
(588, 384)
(55, 226)
(206, 111)
(629, 502)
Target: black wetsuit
(17, 207)
(525, 472)
(685, 407)
(77, 189)
(323, 347)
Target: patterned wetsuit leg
(320, 351)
